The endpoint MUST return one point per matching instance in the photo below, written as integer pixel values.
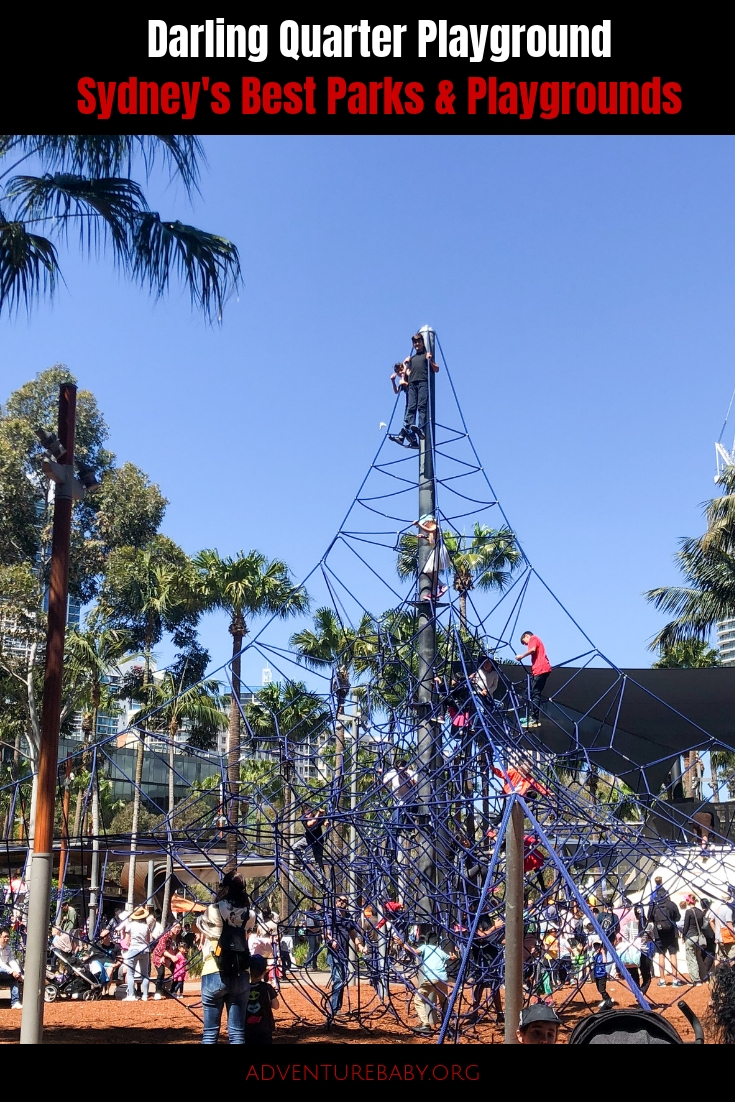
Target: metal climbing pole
(426, 648)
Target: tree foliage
(147, 591)
(687, 654)
(126, 509)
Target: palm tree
(244, 584)
(688, 654)
(708, 567)
(724, 760)
(333, 645)
(83, 184)
(91, 655)
(484, 560)
(291, 716)
(698, 606)
(168, 704)
(147, 591)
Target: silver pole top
(429, 335)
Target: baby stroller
(634, 1027)
(76, 982)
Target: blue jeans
(338, 968)
(8, 980)
(217, 994)
(138, 966)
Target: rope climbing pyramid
(411, 796)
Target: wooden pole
(31, 1032)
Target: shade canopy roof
(634, 723)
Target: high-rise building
(726, 641)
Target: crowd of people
(245, 954)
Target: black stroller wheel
(50, 993)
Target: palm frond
(208, 264)
(111, 154)
(28, 266)
(248, 583)
(99, 206)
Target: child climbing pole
(438, 559)
(417, 399)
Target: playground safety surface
(172, 1022)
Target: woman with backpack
(663, 916)
(226, 959)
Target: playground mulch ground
(300, 1019)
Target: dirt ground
(300, 1019)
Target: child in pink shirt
(178, 964)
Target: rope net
(382, 770)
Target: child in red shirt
(540, 670)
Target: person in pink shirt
(540, 670)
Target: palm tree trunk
(64, 848)
(687, 778)
(169, 827)
(137, 792)
(90, 735)
(138, 780)
(284, 872)
(9, 822)
(485, 792)
(714, 780)
(237, 631)
(343, 691)
(78, 813)
(463, 609)
(339, 763)
(76, 832)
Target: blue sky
(582, 289)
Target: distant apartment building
(726, 641)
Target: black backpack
(232, 955)
(609, 924)
(661, 919)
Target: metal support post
(94, 882)
(513, 923)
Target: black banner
(249, 70)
